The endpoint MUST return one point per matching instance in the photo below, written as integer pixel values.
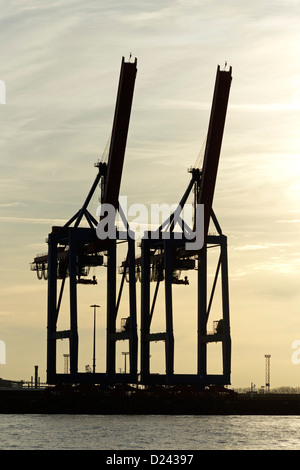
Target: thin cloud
(245, 107)
(29, 220)
(266, 107)
(255, 247)
(289, 221)
(13, 204)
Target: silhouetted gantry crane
(161, 258)
(73, 249)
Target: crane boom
(213, 143)
(119, 133)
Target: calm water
(84, 432)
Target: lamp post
(267, 356)
(94, 339)
(125, 354)
(66, 356)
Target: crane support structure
(73, 249)
(161, 259)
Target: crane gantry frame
(72, 249)
(169, 253)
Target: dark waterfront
(96, 400)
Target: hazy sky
(60, 61)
